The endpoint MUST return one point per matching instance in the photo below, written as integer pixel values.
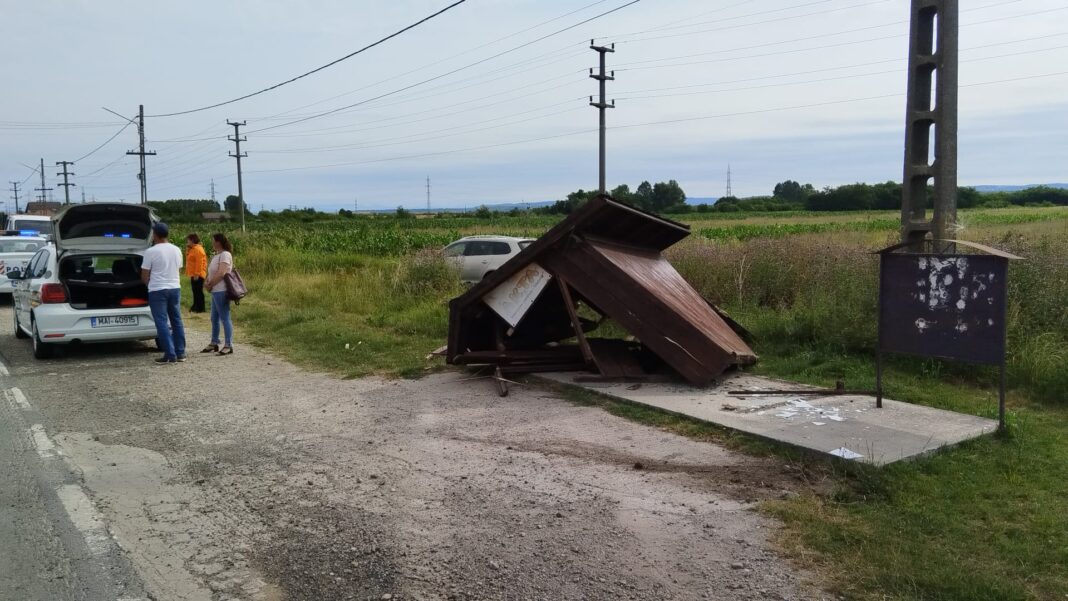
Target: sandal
(211, 348)
(226, 350)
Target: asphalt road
(245, 477)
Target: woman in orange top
(196, 267)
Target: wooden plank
(584, 345)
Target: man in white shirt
(160, 270)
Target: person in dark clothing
(196, 267)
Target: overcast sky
(801, 89)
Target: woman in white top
(220, 265)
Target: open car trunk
(103, 281)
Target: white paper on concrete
(845, 453)
(514, 297)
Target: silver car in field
(87, 286)
(476, 256)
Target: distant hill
(1010, 188)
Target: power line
(438, 62)
(317, 69)
(645, 124)
(446, 74)
(106, 142)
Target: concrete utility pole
(66, 184)
(237, 140)
(43, 190)
(428, 195)
(15, 189)
(602, 104)
(927, 108)
(141, 153)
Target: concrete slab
(848, 426)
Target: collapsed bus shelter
(604, 257)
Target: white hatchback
(477, 256)
(87, 287)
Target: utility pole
(355, 204)
(602, 104)
(43, 190)
(141, 153)
(428, 195)
(931, 103)
(729, 192)
(213, 189)
(237, 140)
(66, 184)
(15, 189)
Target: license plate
(114, 320)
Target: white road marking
(3, 370)
(20, 399)
(85, 518)
(44, 445)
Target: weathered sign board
(944, 305)
(513, 298)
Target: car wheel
(41, 350)
(18, 330)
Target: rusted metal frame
(569, 303)
(607, 285)
(928, 247)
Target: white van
(30, 225)
(87, 287)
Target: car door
(32, 284)
(20, 296)
(476, 261)
(497, 254)
(454, 256)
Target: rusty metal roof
(606, 255)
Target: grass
(986, 520)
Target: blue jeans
(220, 312)
(166, 312)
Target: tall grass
(814, 290)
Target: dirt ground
(245, 477)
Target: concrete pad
(847, 426)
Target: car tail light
(53, 293)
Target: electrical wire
(317, 69)
(106, 142)
(438, 62)
(446, 74)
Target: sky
(490, 99)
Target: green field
(988, 520)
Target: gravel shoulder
(245, 477)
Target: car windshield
(20, 245)
(30, 225)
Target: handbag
(235, 286)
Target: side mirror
(14, 274)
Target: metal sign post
(945, 306)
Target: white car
(15, 254)
(30, 225)
(87, 286)
(477, 256)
